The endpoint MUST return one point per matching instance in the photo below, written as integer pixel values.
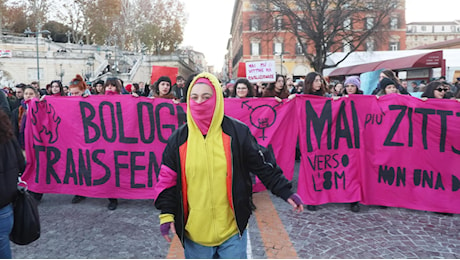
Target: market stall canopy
(425, 60)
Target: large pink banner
(98, 146)
(111, 146)
(396, 151)
(411, 155)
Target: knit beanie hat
(164, 78)
(385, 82)
(353, 80)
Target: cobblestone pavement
(90, 230)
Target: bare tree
(323, 27)
(37, 11)
(162, 25)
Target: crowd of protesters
(14, 102)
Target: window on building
(423, 28)
(255, 48)
(442, 28)
(346, 46)
(299, 26)
(369, 23)
(347, 24)
(278, 48)
(298, 48)
(254, 24)
(394, 23)
(279, 25)
(370, 45)
(394, 46)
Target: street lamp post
(281, 59)
(37, 33)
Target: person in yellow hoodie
(204, 187)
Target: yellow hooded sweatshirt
(211, 220)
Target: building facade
(249, 42)
(421, 34)
(27, 59)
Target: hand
(176, 101)
(164, 228)
(292, 96)
(278, 99)
(337, 98)
(134, 94)
(296, 202)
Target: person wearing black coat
(4, 104)
(12, 163)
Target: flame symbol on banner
(48, 125)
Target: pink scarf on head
(203, 113)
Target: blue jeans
(6, 224)
(234, 248)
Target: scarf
(202, 113)
(111, 92)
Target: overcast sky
(209, 22)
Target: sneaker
(311, 207)
(113, 204)
(355, 207)
(77, 199)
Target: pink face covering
(202, 113)
(111, 92)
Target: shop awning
(425, 60)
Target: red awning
(425, 60)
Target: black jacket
(247, 156)
(12, 163)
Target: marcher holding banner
(162, 88)
(387, 86)
(112, 86)
(315, 84)
(435, 89)
(277, 89)
(204, 186)
(244, 88)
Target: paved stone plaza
(90, 230)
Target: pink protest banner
(411, 153)
(273, 124)
(111, 146)
(330, 144)
(98, 146)
(396, 151)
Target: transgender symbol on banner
(47, 126)
(261, 117)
